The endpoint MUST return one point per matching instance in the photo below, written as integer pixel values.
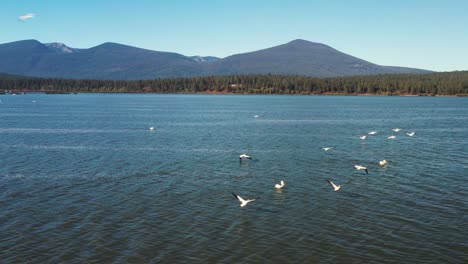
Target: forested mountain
(121, 62)
(448, 83)
(300, 57)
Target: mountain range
(121, 62)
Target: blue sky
(414, 33)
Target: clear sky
(424, 34)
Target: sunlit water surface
(83, 180)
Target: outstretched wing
(332, 184)
(239, 198)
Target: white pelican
(359, 167)
(363, 137)
(391, 137)
(410, 134)
(244, 156)
(280, 186)
(327, 148)
(243, 202)
(335, 187)
(372, 133)
(396, 129)
(383, 163)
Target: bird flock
(382, 163)
(282, 184)
(336, 187)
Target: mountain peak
(305, 43)
(299, 41)
(110, 45)
(24, 43)
(26, 47)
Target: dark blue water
(83, 180)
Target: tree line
(445, 83)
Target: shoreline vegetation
(431, 84)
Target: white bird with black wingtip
(396, 129)
(410, 134)
(327, 148)
(335, 187)
(244, 156)
(359, 167)
(242, 200)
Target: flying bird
(243, 202)
(280, 186)
(27, 16)
(391, 137)
(335, 187)
(410, 134)
(396, 129)
(327, 148)
(372, 133)
(151, 128)
(363, 137)
(383, 163)
(359, 167)
(244, 156)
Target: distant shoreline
(433, 84)
(225, 93)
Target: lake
(84, 180)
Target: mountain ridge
(117, 61)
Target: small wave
(61, 130)
(50, 147)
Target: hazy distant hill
(122, 62)
(106, 61)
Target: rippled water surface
(83, 180)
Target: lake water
(83, 180)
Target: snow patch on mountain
(59, 47)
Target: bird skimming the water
(359, 167)
(244, 156)
(243, 202)
(335, 187)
